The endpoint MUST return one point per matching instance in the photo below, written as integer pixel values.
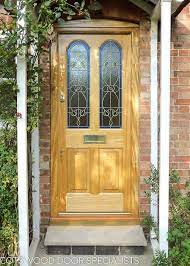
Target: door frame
(96, 26)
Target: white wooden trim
(22, 144)
(157, 12)
(32, 250)
(35, 171)
(35, 184)
(154, 113)
(164, 124)
(154, 245)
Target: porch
(161, 11)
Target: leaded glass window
(110, 85)
(78, 85)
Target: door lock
(62, 97)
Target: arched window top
(111, 44)
(73, 46)
(110, 85)
(78, 55)
(78, 84)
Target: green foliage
(179, 227)
(160, 259)
(40, 17)
(8, 193)
(8, 161)
(153, 181)
(149, 224)
(179, 221)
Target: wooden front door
(94, 126)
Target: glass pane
(78, 85)
(110, 85)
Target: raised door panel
(111, 165)
(102, 202)
(78, 174)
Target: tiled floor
(43, 259)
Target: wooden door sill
(96, 219)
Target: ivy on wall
(40, 17)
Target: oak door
(92, 125)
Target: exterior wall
(180, 111)
(180, 96)
(45, 159)
(144, 102)
(180, 102)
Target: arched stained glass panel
(78, 85)
(110, 85)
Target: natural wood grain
(54, 130)
(78, 174)
(94, 26)
(95, 219)
(135, 125)
(94, 166)
(102, 202)
(110, 167)
(96, 23)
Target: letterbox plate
(94, 139)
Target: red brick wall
(144, 101)
(4, 17)
(45, 142)
(180, 96)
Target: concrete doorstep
(124, 235)
(94, 245)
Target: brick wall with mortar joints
(180, 96)
(144, 111)
(45, 144)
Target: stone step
(95, 236)
(95, 250)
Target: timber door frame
(99, 26)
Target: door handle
(62, 97)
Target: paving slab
(42, 259)
(124, 235)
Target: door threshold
(95, 219)
(93, 213)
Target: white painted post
(22, 140)
(164, 124)
(35, 184)
(35, 172)
(154, 114)
(35, 195)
